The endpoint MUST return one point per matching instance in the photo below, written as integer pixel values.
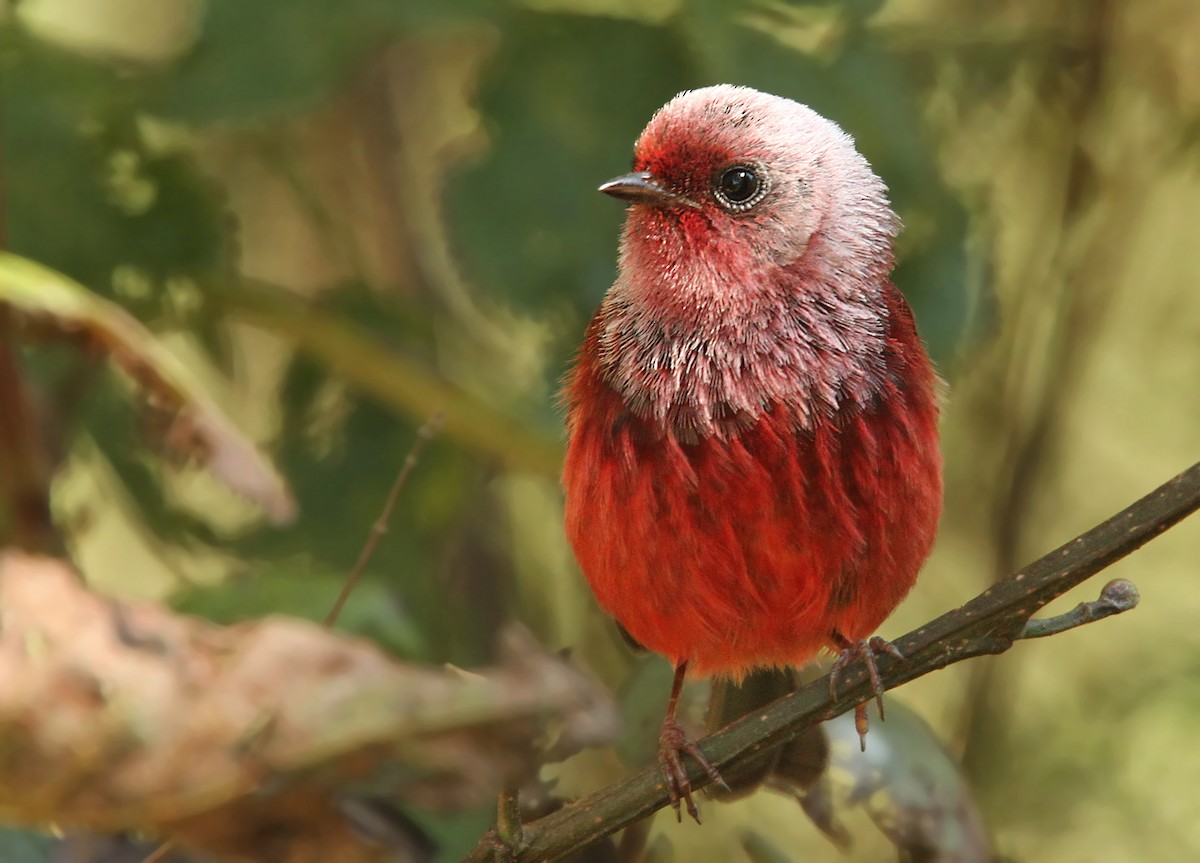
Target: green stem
(395, 380)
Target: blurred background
(344, 217)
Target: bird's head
(730, 185)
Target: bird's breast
(748, 546)
(711, 369)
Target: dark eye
(740, 187)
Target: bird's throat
(712, 373)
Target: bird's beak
(642, 187)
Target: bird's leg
(864, 650)
(673, 742)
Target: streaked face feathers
(757, 274)
(807, 170)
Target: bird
(753, 474)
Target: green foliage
(89, 194)
(263, 61)
(374, 609)
(343, 481)
(555, 243)
(24, 846)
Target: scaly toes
(678, 786)
(866, 651)
(673, 743)
(882, 645)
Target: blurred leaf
(910, 786)
(395, 379)
(24, 846)
(287, 586)
(221, 737)
(342, 453)
(195, 428)
(102, 415)
(90, 197)
(443, 553)
(760, 849)
(529, 223)
(258, 61)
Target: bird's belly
(733, 554)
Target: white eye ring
(739, 187)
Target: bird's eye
(739, 188)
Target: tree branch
(988, 624)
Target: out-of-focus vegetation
(343, 217)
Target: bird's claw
(866, 651)
(673, 743)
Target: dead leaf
(249, 738)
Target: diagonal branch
(989, 623)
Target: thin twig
(988, 624)
(1118, 595)
(380, 527)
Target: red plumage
(748, 551)
(752, 470)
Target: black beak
(642, 188)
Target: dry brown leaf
(245, 739)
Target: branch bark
(988, 624)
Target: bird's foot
(864, 650)
(673, 744)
